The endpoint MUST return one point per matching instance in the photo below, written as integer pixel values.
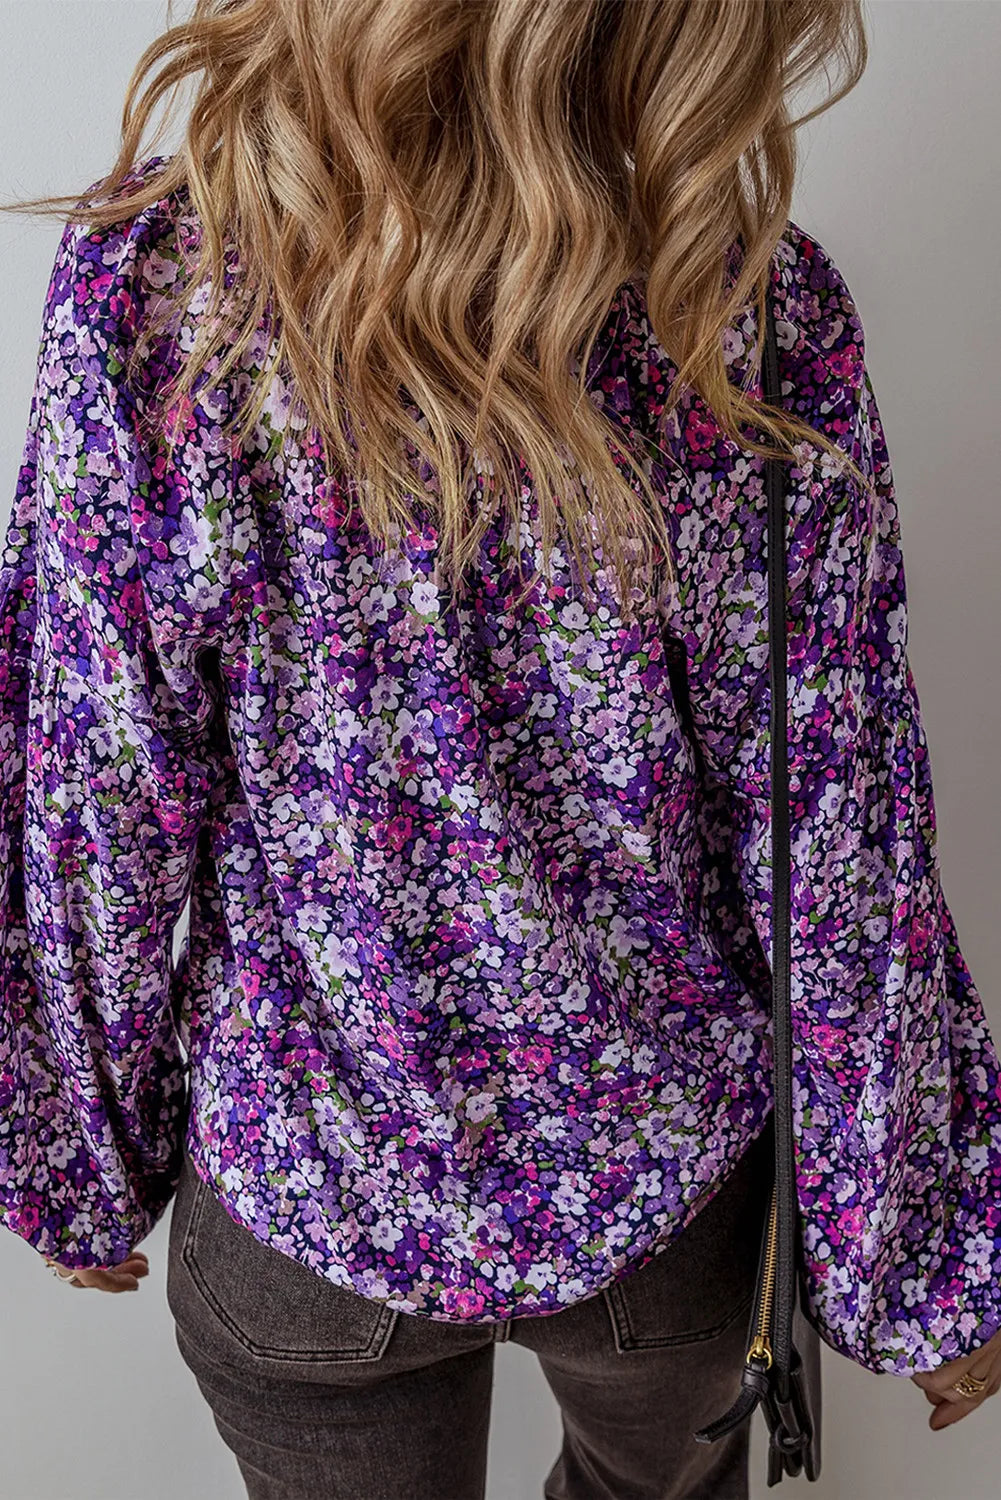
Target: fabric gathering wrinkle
(471, 1015)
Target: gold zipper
(761, 1347)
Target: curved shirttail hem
(633, 1255)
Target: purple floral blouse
(472, 1011)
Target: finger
(124, 1277)
(943, 1385)
(946, 1391)
(935, 1381)
(131, 1268)
(948, 1412)
(108, 1281)
(133, 1265)
(982, 1373)
(118, 1281)
(136, 1263)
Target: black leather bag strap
(776, 1376)
(787, 1208)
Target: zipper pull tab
(761, 1349)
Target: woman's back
(474, 996)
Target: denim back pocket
(272, 1306)
(704, 1278)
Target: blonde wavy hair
(446, 195)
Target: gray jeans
(322, 1393)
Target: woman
(310, 614)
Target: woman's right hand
(951, 1405)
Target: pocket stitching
(373, 1350)
(626, 1340)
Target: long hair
(444, 196)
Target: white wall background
(900, 183)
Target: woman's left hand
(123, 1277)
(950, 1405)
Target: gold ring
(969, 1385)
(68, 1276)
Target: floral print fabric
(472, 1011)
